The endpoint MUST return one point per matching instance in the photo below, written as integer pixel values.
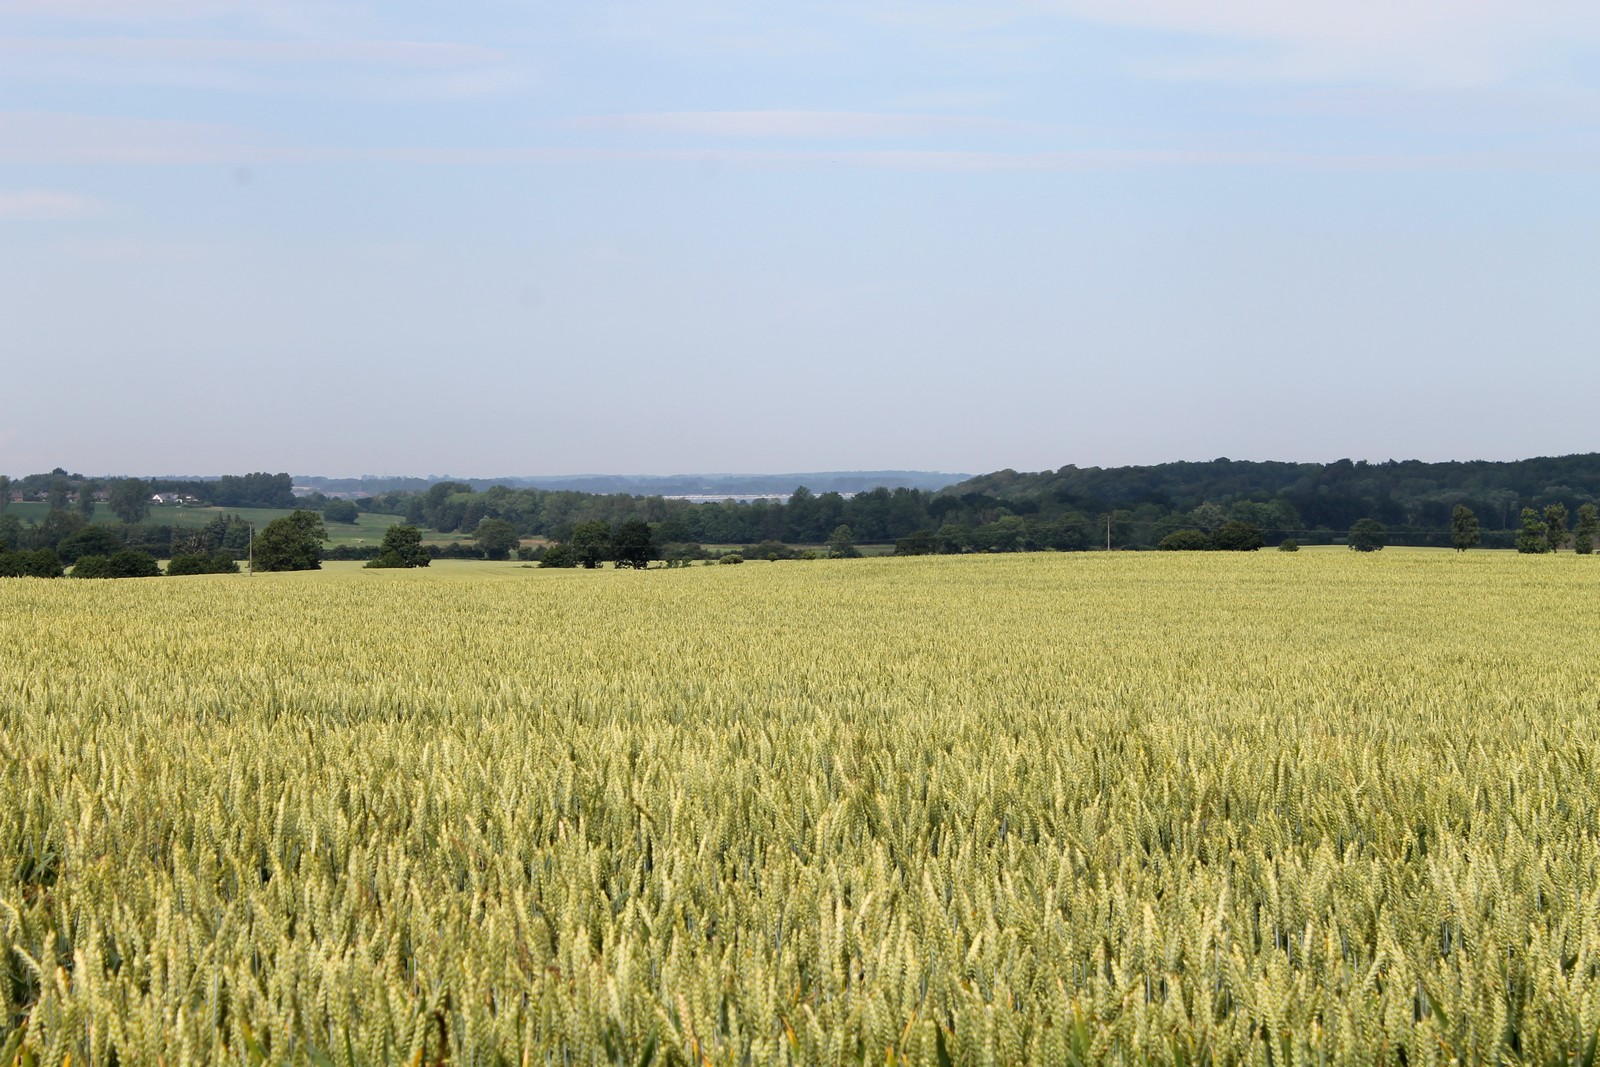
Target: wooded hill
(1316, 495)
(1068, 509)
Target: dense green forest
(1070, 508)
(1067, 509)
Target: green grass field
(367, 529)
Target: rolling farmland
(1049, 808)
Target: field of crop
(1180, 807)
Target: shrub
(127, 563)
(40, 563)
(683, 551)
(1368, 535)
(921, 543)
(1237, 537)
(559, 555)
(1185, 541)
(217, 563)
(353, 552)
(769, 550)
(731, 557)
(90, 567)
(1289, 545)
(131, 563)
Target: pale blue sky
(488, 237)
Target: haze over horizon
(695, 235)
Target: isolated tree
(86, 500)
(633, 545)
(591, 542)
(292, 543)
(1368, 535)
(1555, 526)
(1531, 539)
(1584, 533)
(842, 543)
(129, 499)
(340, 511)
(402, 547)
(496, 537)
(1237, 537)
(1464, 528)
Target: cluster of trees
(68, 536)
(1068, 509)
(343, 511)
(1328, 496)
(1231, 536)
(121, 563)
(35, 563)
(119, 550)
(1217, 505)
(126, 563)
(129, 498)
(630, 544)
(877, 515)
(1547, 531)
(1540, 531)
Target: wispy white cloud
(1405, 42)
(45, 138)
(121, 10)
(1473, 111)
(285, 16)
(980, 161)
(46, 205)
(202, 50)
(369, 67)
(801, 124)
(52, 138)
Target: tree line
(1221, 504)
(1023, 513)
(130, 498)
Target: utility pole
(1108, 531)
(252, 544)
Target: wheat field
(1187, 807)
